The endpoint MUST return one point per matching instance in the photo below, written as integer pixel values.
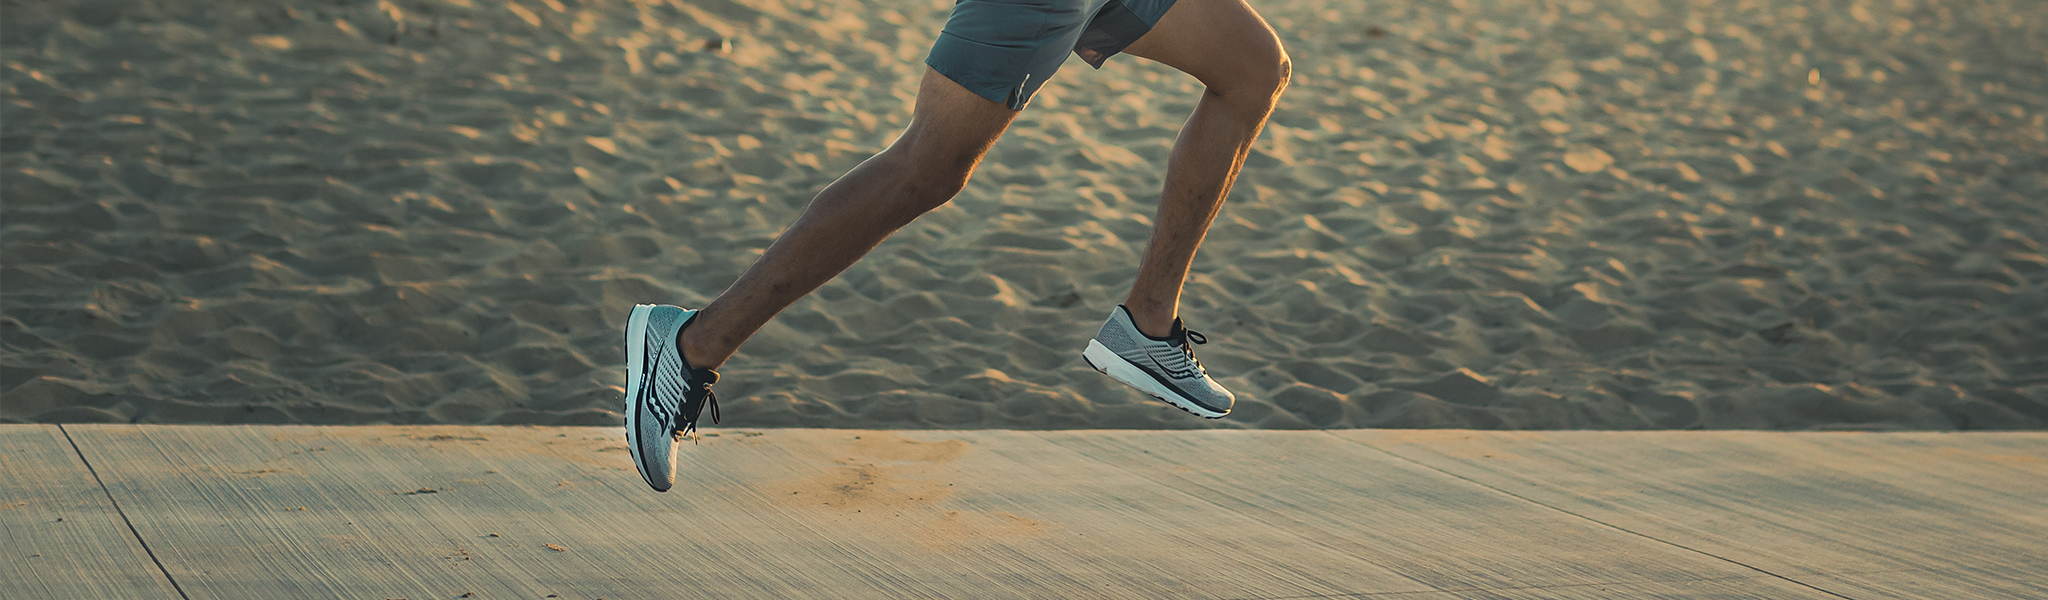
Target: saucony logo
(1175, 373)
(647, 386)
(1171, 384)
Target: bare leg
(1236, 55)
(950, 131)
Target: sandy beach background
(1782, 214)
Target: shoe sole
(636, 365)
(1103, 359)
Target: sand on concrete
(1782, 214)
(442, 511)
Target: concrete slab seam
(124, 514)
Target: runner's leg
(1231, 50)
(950, 130)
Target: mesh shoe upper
(1171, 362)
(669, 396)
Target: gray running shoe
(664, 396)
(1165, 368)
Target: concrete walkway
(124, 511)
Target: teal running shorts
(1004, 49)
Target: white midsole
(1122, 370)
(636, 362)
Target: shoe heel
(636, 362)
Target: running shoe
(1163, 367)
(664, 396)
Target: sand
(1789, 214)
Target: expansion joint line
(124, 515)
(1604, 523)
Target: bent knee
(1259, 79)
(932, 190)
(1274, 68)
(930, 176)
(1285, 71)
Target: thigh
(1223, 43)
(1004, 50)
(950, 126)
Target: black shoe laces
(1197, 338)
(703, 378)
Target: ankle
(1153, 323)
(695, 354)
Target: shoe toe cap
(659, 470)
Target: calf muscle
(949, 133)
(1238, 58)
